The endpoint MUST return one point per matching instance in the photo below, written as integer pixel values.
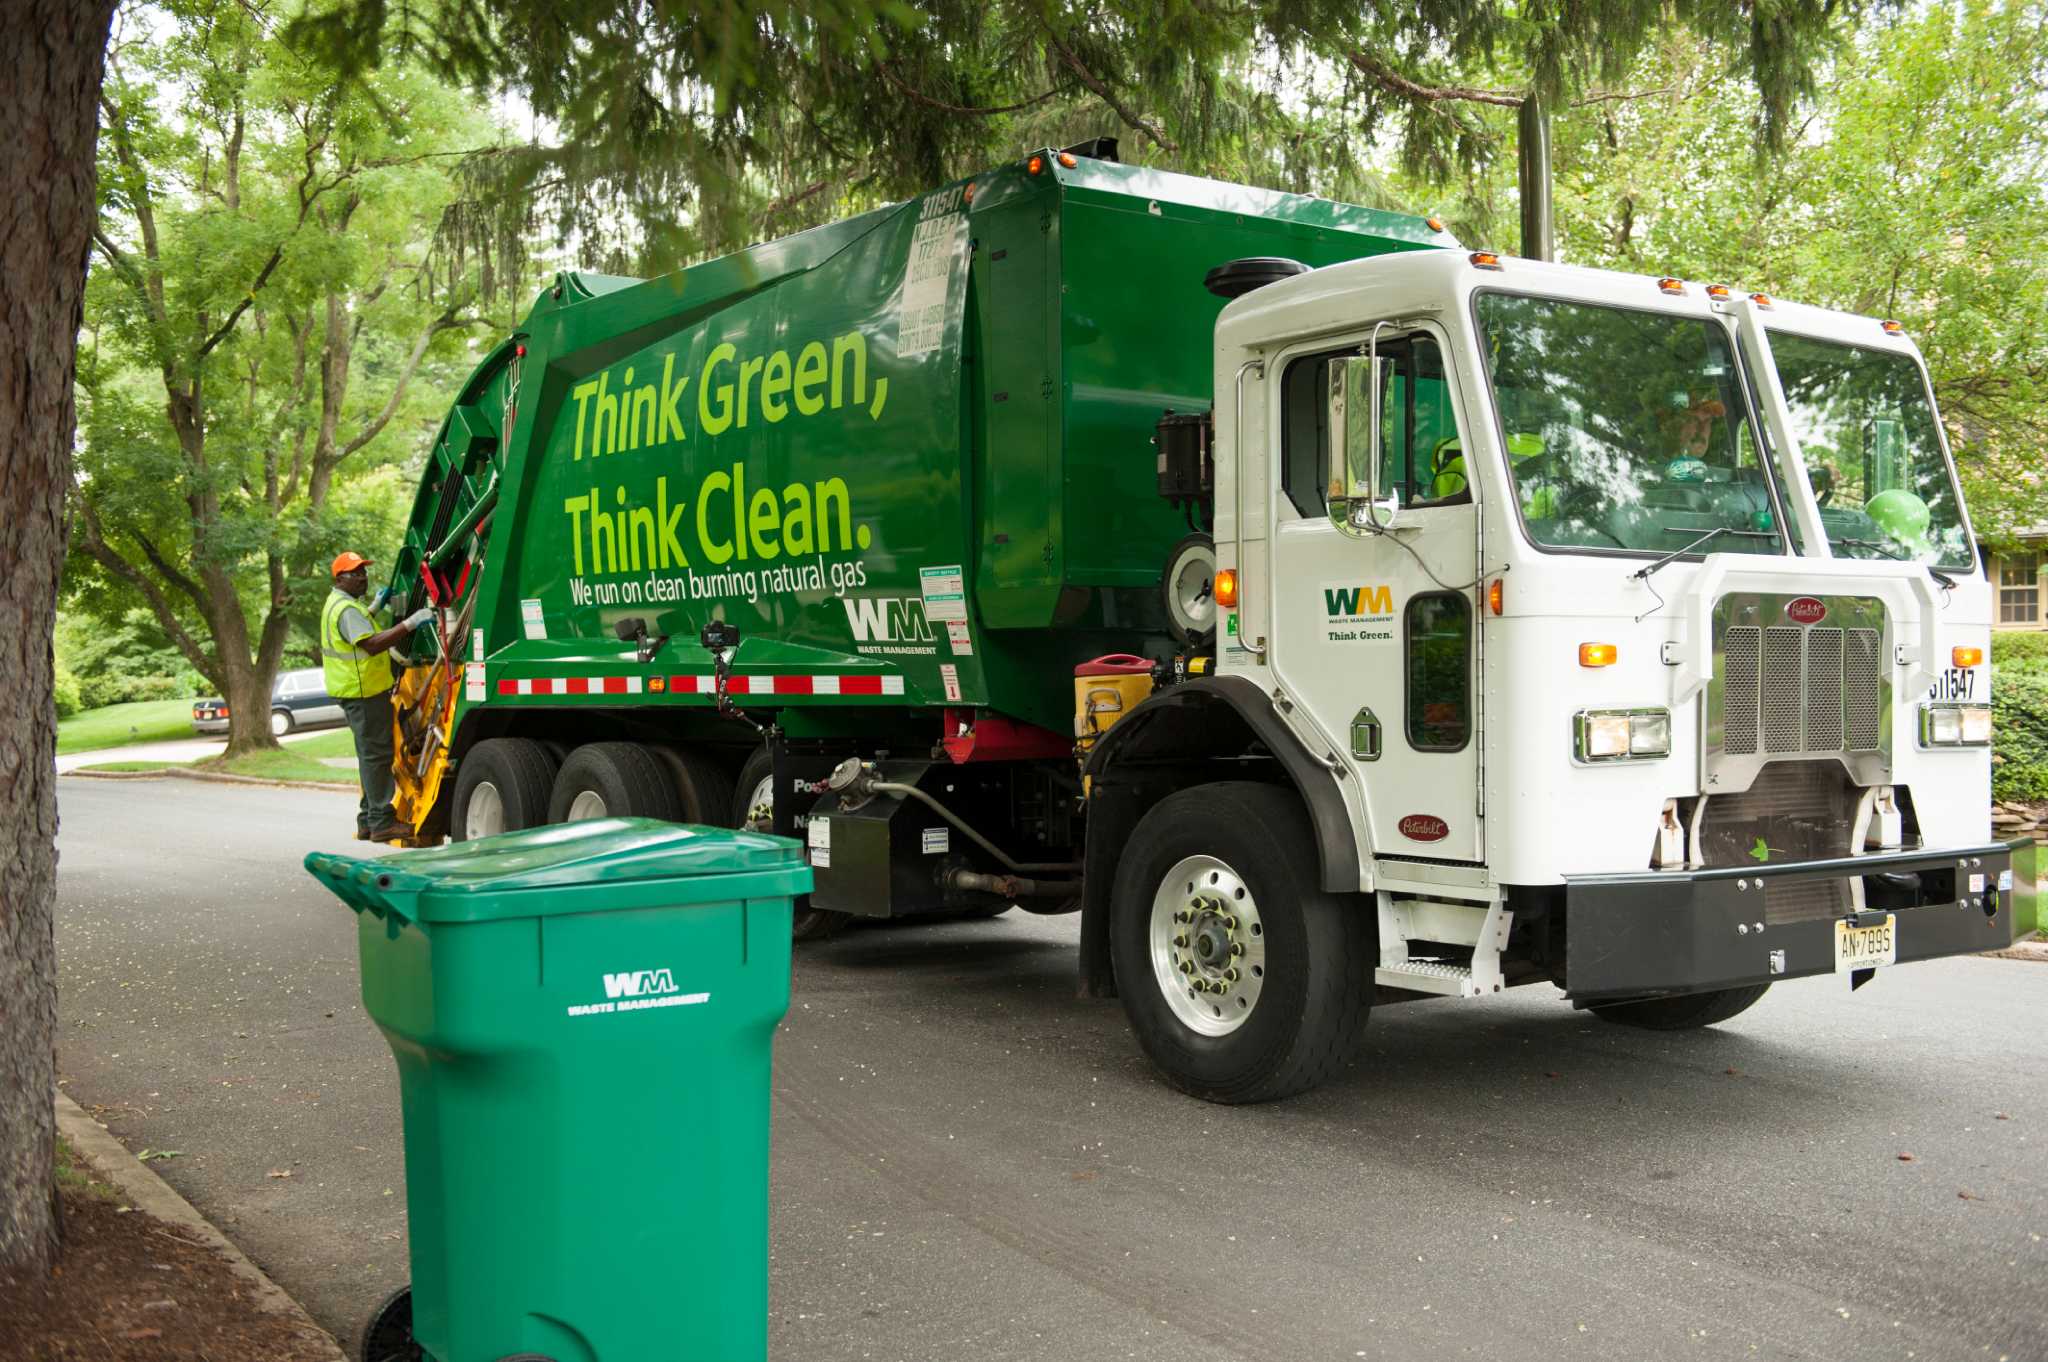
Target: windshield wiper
(1708, 537)
(1948, 583)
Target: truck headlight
(1600, 735)
(1955, 725)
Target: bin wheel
(388, 1335)
(754, 807)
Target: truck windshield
(1866, 431)
(1625, 429)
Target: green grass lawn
(289, 764)
(120, 725)
(334, 743)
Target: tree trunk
(247, 690)
(52, 60)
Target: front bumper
(1655, 932)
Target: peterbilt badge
(1806, 610)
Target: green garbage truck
(1329, 614)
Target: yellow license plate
(1866, 947)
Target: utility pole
(1539, 236)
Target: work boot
(362, 832)
(393, 831)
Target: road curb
(146, 1191)
(214, 777)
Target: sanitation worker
(357, 656)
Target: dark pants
(369, 720)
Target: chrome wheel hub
(586, 804)
(1208, 945)
(761, 805)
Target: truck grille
(1795, 811)
(1799, 690)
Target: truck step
(1428, 976)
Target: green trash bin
(582, 1016)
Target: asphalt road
(969, 1162)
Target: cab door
(1376, 632)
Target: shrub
(2019, 735)
(66, 693)
(117, 688)
(2017, 650)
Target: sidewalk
(185, 749)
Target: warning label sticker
(473, 681)
(950, 674)
(945, 593)
(938, 247)
(532, 620)
(957, 635)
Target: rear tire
(754, 807)
(502, 785)
(703, 790)
(613, 780)
(1686, 1012)
(1276, 987)
(281, 722)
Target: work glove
(419, 617)
(381, 599)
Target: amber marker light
(1718, 292)
(1761, 299)
(1671, 285)
(1966, 657)
(1226, 588)
(1485, 260)
(1892, 328)
(970, 194)
(1435, 224)
(657, 684)
(1597, 654)
(1067, 160)
(1035, 166)
(1496, 593)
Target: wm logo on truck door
(639, 983)
(1342, 601)
(887, 619)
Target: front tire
(281, 722)
(754, 808)
(502, 785)
(1686, 1012)
(1242, 978)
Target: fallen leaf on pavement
(1905, 1158)
(145, 1333)
(280, 1172)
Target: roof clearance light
(1598, 654)
(969, 195)
(1496, 594)
(1966, 657)
(1226, 588)
(1485, 260)
(1760, 299)
(1892, 328)
(519, 351)
(1067, 160)
(1671, 285)
(1035, 166)
(1435, 224)
(1718, 292)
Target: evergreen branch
(965, 109)
(1103, 93)
(1395, 83)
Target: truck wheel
(502, 785)
(754, 807)
(703, 789)
(1242, 978)
(1683, 1013)
(388, 1335)
(612, 780)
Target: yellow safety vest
(351, 672)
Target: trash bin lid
(589, 866)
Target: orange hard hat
(349, 562)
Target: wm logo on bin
(640, 983)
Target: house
(2020, 576)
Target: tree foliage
(266, 305)
(686, 127)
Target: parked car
(298, 700)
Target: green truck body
(909, 455)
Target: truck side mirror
(1352, 456)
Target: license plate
(1866, 947)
